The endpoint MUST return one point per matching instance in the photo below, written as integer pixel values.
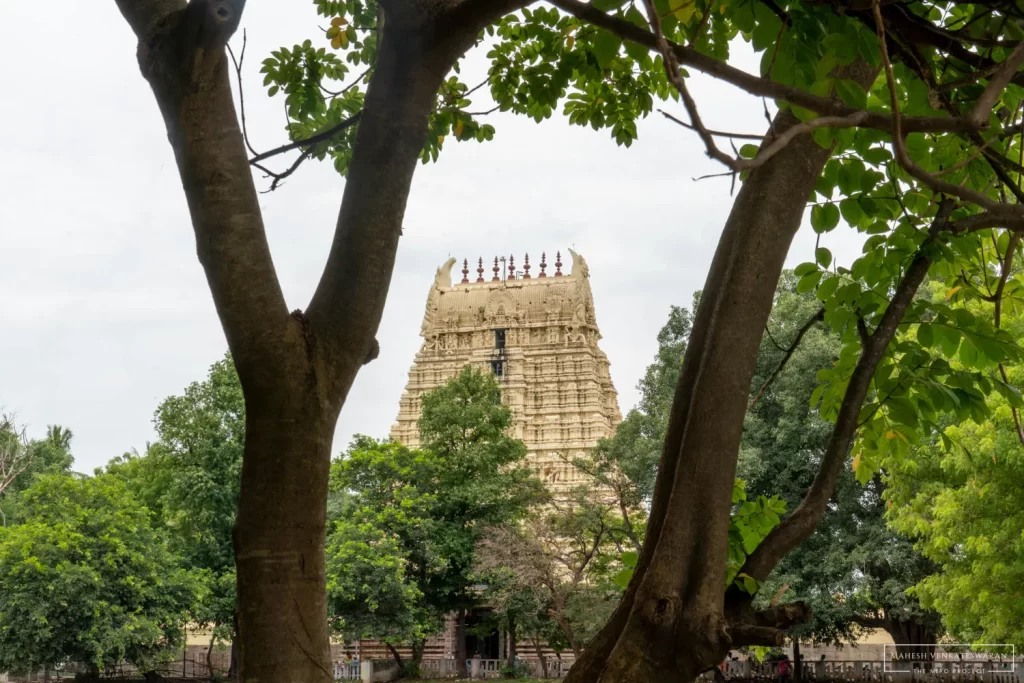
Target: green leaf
(823, 256)
(851, 93)
(629, 558)
(851, 211)
(824, 217)
(808, 282)
(926, 335)
(968, 353)
(606, 47)
(623, 577)
(827, 288)
(748, 151)
(805, 268)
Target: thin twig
(319, 137)
(819, 316)
(899, 144)
(717, 133)
(241, 91)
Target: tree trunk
(510, 658)
(233, 656)
(798, 666)
(397, 657)
(295, 369)
(671, 623)
(209, 652)
(912, 638)
(540, 656)
(417, 652)
(460, 643)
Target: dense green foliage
(25, 461)
(853, 570)
(85, 577)
(189, 480)
(400, 553)
(962, 497)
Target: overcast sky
(104, 307)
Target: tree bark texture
(671, 623)
(540, 656)
(295, 368)
(510, 660)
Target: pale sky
(104, 306)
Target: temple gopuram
(538, 335)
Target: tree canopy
(401, 551)
(959, 495)
(189, 480)
(86, 578)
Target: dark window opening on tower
(498, 368)
(499, 339)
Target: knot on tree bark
(372, 354)
(183, 49)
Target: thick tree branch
(870, 622)
(804, 519)
(997, 83)
(181, 54)
(768, 626)
(144, 16)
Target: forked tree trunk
(295, 369)
(671, 623)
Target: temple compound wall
(539, 336)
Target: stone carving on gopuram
(538, 334)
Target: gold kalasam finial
(480, 270)
(543, 264)
(526, 267)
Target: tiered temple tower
(538, 335)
